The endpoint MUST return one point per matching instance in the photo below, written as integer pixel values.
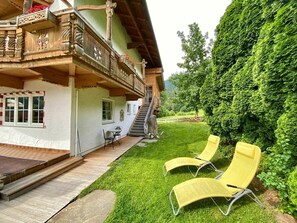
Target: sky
(170, 16)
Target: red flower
(36, 8)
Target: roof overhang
(135, 18)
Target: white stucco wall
(90, 123)
(56, 132)
(59, 5)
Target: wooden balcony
(55, 47)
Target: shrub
(251, 94)
(292, 184)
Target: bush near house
(251, 92)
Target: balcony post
(2, 42)
(19, 44)
(109, 12)
(10, 43)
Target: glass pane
(38, 102)
(9, 109)
(108, 106)
(37, 116)
(40, 117)
(108, 115)
(9, 103)
(26, 103)
(103, 115)
(9, 116)
(23, 102)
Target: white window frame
(134, 109)
(15, 122)
(107, 121)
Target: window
(128, 109)
(107, 111)
(134, 109)
(24, 110)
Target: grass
(142, 191)
(181, 115)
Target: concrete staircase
(27, 183)
(137, 128)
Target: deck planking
(43, 202)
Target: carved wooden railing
(69, 35)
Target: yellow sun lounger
(199, 161)
(232, 184)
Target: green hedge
(251, 94)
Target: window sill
(23, 126)
(107, 122)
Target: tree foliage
(251, 94)
(195, 67)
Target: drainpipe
(73, 117)
(77, 141)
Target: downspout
(77, 141)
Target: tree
(195, 67)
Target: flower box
(37, 20)
(126, 63)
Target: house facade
(71, 69)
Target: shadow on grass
(207, 204)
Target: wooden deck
(30, 152)
(40, 204)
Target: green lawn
(181, 115)
(142, 191)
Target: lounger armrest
(201, 159)
(234, 186)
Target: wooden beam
(138, 30)
(33, 77)
(72, 70)
(16, 3)
(134, 45)
(44, 2)
(154, 71)
(95, 7)
(90, 7)
(113, 92)
(10, 81)
(52, 75)
(132, 97)
(89, 80)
